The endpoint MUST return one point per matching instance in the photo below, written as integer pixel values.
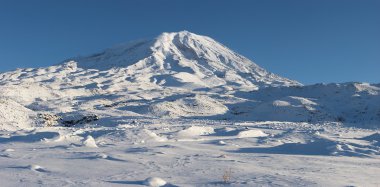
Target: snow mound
(90, 142)
(14, 116)
(221, 142)
(102, 155)
(195, 131)
(9, 150)
(148, 136)
(279, 103)
(289, 108)
(253, 133)
(154, 182)
(38, 168)
(199, 105)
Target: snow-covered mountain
(183, 110)
(176, 75)
(174, 59)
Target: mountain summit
(178, 58)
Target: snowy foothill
(183, 110)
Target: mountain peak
(183, 57)
(179, 33)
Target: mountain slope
(357, 103)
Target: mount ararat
(186, 109)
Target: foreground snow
(190, 153)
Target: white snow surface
(188, 109)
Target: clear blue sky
(307, 40)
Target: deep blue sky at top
(307, 40)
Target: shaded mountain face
(184, 59)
